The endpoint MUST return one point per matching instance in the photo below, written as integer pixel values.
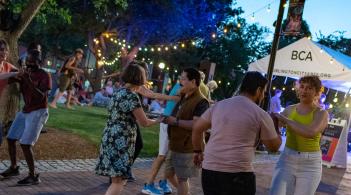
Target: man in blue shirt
(150, 188)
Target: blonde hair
(212, 85)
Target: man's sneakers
(29, 180)
(10, 172)
(166, 189)
(151, 189)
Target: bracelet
(197, 151)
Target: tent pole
(273, 53)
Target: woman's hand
(198, 158)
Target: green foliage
(89, 123)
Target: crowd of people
(236, 126)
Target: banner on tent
(299, 73)
(294, 18)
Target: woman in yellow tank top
(299, 169)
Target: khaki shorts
(65, 83)
(181, 164)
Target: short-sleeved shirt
(34, 88)
(236, 125)
(275, 105)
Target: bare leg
(171, 177)
(68, 102)
(53, 103)
(28, 154)
(116, 186)
(12, 152)
(156, 165)
(183, 187)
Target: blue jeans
(297, 173)
(27, 126)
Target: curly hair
(314, 81)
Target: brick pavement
(76, 177)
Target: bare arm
(111, 75)
(200, 126)
(140, 116)
(273, 145)
(319, 123)
(68, 65)
(185, 124)
(150, 94)
(7, 75)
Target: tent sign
(301, 55)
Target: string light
(330, 105)
(238, 25)
(347, 105)
(183, 45)
(283, 88)
(253, 17)
(214, 35)
(174, 47)
(166, 48)
(273, 88)
(269, 8)
(335, 100)
(224, 30)
(219, 81)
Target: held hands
(170, 120)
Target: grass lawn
(88, 122)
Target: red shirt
(34, 87)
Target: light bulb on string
(283, 88)
(145, 49)
(128, 46)
(119, 43)
(253, 17)
(219, 81)
(225, 30)
(193, 42)
(140, 48)
(174, 47)
(183, 45)
(152, 49)
(269, 8)
(238, 25)
(347, 105)
(166, 48)
(335, 100)
(273, 88)
(330, 105)
(214, 35)
(285, 5)
(159, 49)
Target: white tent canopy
(305, 57)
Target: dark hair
(34, 56)
(3, 42)
(133, 74)
(252, 81)
(192, 73)
(79, 50)
(314, 81)
(33, 46)
(144, 66)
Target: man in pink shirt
(237, 124)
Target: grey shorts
(27, 126)
(181, 164)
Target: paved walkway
(70, 177)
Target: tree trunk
(13, 35)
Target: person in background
(275, 104)
(34, 85)
(321, 101)
(203, 87)
(237, 124)
(68, 70)
(6, 71)
(212, 85)
(109, 88)
(119, 136)
(149, 187)
(100, 99)
(299, 168)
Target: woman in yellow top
(299, 169)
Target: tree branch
(27, 16)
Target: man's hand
(170, 120)
(198, 158)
